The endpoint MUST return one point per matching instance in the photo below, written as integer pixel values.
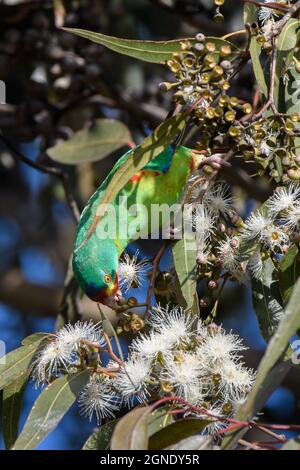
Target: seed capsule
(230, 116)
(225, 51)
(200, 37)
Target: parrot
(161, 181)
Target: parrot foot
(216, 161)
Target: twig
(50, 170)
(151, 286)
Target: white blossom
(255, 265)
(149, 346)
(51, 359)
(132, 272)
(261, 227)
(73, 335)
(284, 198)
(220, 346)
(235, 379)
(98, 398)
(183, 374)
(174, 324)
(132, 381)
(218, 200)
(228, 251)
(266, 14)
(291, 218)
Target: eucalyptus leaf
(267, 300)
(250, 16)
(100, 438)
(176, 432)
(49, 408)
(11, 409)
(149, 51)
(93, 144)
(292, 444)
(292, 98)
(17, 362)
(286, 44)
(289, 272)
(131, 432)
(185, 255)
(271, 369)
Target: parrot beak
(114, 299)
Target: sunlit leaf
(289, 272)
(149, 51)
(89, 145)
(250, 16)
(17, 362)
(49, 408)
(11, 409)
(185, 255)
(100, 438)
(271, 370)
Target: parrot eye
(107, 279)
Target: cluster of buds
(218, 16)
(203, 70)
(272, 144)
(130, 323)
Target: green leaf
(11, 409)
(185, 255)
(176, 432)
(34, 337)
(286, 44)
(270, 368)
(89, 145)
(292, 444)
(100, 438)
(250, 16)
(49, 409)
(292, 99)
(131, 432)
(17, 362)
(289, 272)
(266, 299)
(149, 51)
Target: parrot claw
(217, 161)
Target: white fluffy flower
(283, 199)
(133, 379)
(266, 14)
(72, 335)
(215, 423)
(256, 224)
(175, 324)
(262, 228)
(291, 218)
(196, 394)
(51, 359)
(132, 272)
(220, 346)
(218, 200)
(228, 251)
(98, 398)
(149, 346)
(183, 374)
(199, 220)
(235, 379)
(255, 265)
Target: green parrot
(95, 258)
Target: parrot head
(95, 266)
